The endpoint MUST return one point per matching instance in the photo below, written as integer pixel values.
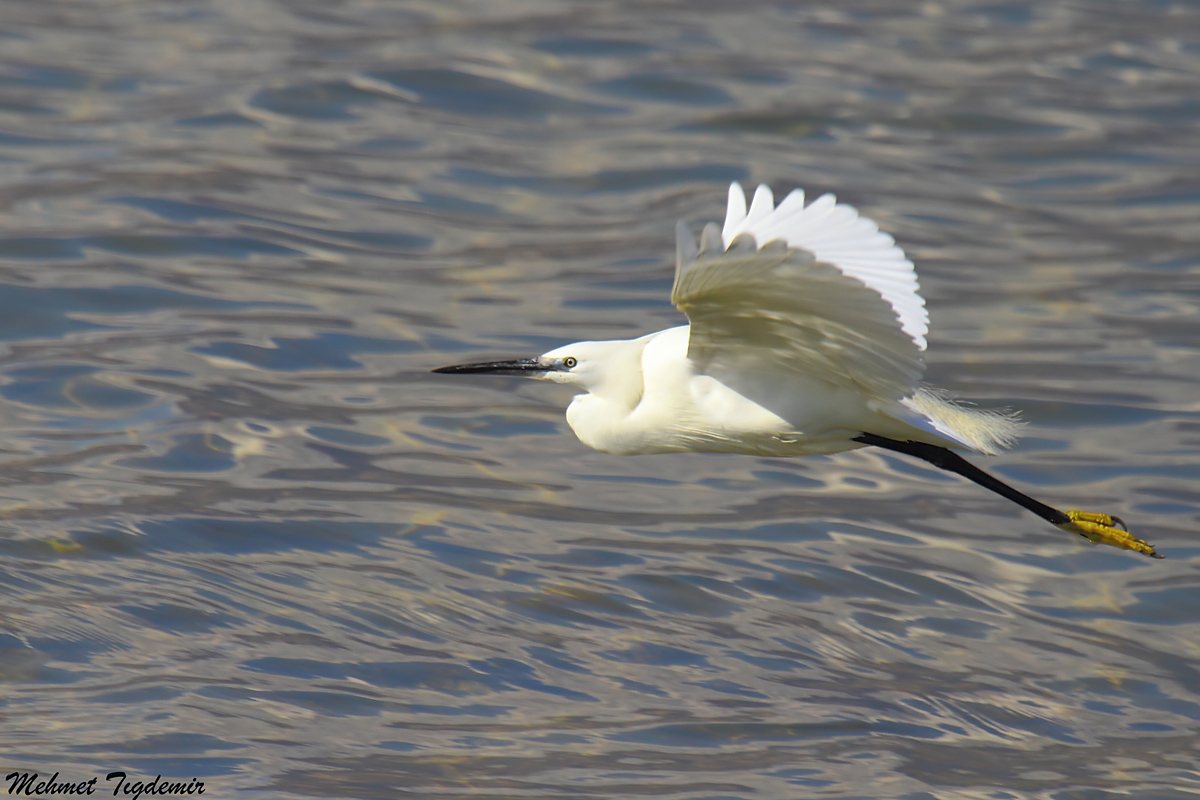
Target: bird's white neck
(615, 386)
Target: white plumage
(834, 233)
(806, 330)
(806, 335)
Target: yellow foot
(1102, 529)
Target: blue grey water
(246, 537)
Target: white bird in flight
(807, 337)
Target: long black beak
(520, 366)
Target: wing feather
(820, 293)
(835, 233)
(735, 212)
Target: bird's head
(607, 368)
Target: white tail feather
(986, 431)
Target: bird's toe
(1106, 529)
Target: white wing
(825, 295)
(834, 233)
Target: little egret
(806, 336)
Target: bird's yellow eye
(569, 362)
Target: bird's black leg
(1094, 527)
(942, 458)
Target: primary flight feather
(806, 336)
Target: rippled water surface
(248, 538)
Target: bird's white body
(807, 331)
(654, 401)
